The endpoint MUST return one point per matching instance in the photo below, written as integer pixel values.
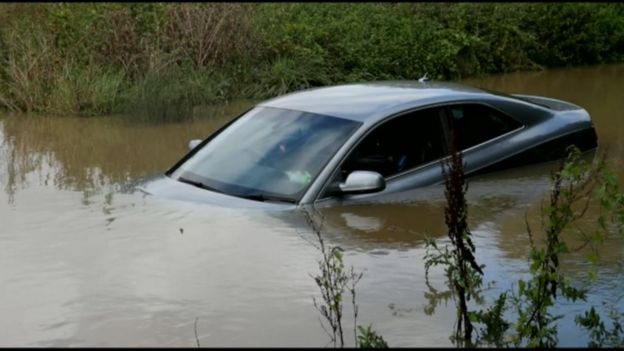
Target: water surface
(86, 261)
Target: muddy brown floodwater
(85, 261)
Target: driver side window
(399, 145)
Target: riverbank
(160, 60)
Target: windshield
(267, 154)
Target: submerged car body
(364, 142)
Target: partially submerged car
(363, 142)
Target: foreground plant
(333, 281)
(574, 185)
(600, 335)
(369, 339)
(461, 269)
(569, 200)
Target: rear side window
(476, 124)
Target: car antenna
(423, 79)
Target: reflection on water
(85, 154)
(88, 262)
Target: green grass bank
(162, 59)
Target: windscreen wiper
(264, 197)
(197, 184)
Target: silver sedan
(363, 142)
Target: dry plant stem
(196, 337)
(463, 248)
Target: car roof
(369, 101)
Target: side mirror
(193, 143)
(363, 182)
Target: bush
(575, 34)
(260, 50)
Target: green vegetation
(333, 280)
(460, 266)
(162, 59)
(576, 184)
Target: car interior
(417, 138)
(399, 145)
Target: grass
(162, 59)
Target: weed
(574, 185)
(333, 281)
(462, 271)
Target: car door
(406, 150)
